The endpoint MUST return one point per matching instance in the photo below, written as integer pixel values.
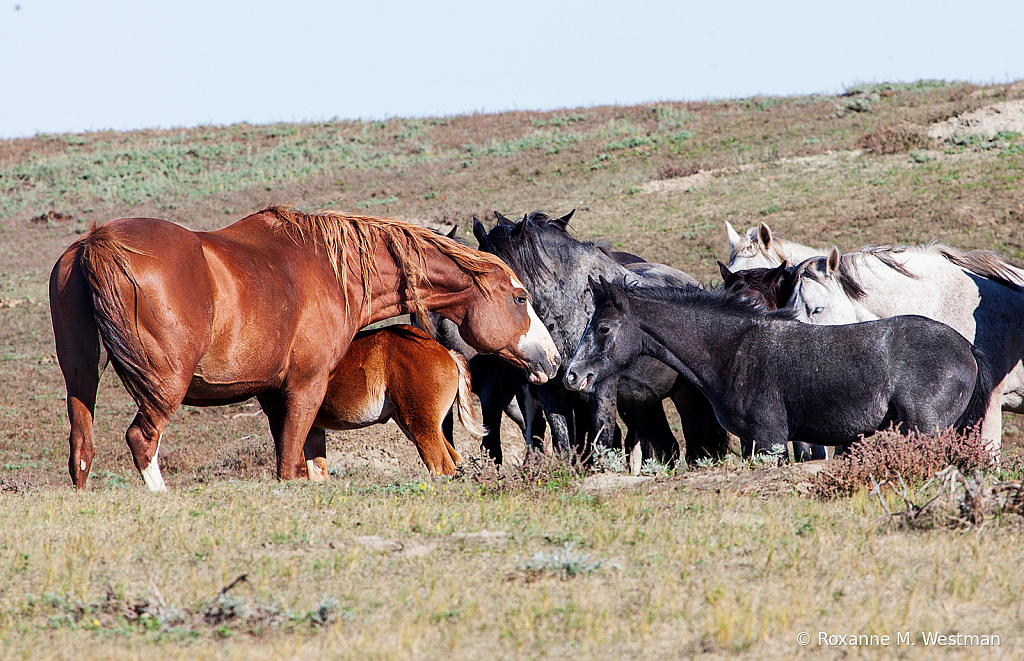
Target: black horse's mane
(722, 300)
(521, 244)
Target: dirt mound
(988, 122)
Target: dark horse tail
(982, 395)
(104, 260)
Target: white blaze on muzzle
(537, 334)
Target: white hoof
(317, 469)
(151, 474)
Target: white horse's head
(752, 250)
(824, 292)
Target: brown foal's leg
(315, 453)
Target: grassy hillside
(685, 569)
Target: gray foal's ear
(564, 220)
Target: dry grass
(680, 573)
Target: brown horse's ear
(502, 220)
(563, 222)
(724, 270)
(764, 235)
(832, 261)
(453, 231)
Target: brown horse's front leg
(291, 418)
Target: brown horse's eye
(521, 300)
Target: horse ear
(776, 274)
(453, 231)
(734, 237)
(479, 231)
(724, 270)
(517, 230)
(564, 220)
(597, 289)
(764, 235)
(832, 261)
(502, 220)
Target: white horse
(759, 249)
(977, 293)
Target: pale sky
(83, 66)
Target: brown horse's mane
(407, 244)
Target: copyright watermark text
(899, 639)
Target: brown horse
(398, 372)
(266, 307)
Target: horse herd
(798, 345)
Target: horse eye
(604, 330)
(520, 300)
(817, 310)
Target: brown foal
(401, 373)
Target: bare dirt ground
(988, 121)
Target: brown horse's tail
(463, 401)
(105, 261)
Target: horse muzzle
(573, 380)
(542, 364)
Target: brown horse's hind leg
(78, 353)
(434, 449)
(81, 407)
(421, 422)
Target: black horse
(770, 288)
(772, 379)
(555, 268)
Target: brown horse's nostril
(557, 360)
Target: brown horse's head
(504, 323)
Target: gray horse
(555, 268)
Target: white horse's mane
(985, 263)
